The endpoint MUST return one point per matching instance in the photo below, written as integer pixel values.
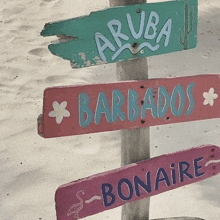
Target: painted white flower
(59, 111)
(209, 97)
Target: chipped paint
(112, 37)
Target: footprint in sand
(43, 3)
(55, 1)
(9, 21)
(54, 79)
(25, 27)
(40, 52)
(12, 11)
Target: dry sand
(32, 167)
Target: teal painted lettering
(178, 90)
(133, 109)
(148, 104)
(162, 108)
(191, 99)
(107, 44)
(159, 179)
(84, 110)
(102, 108)
(117, 102)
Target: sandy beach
(32, 168)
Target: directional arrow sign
(127, 32)
(136, 181)
(127, 105)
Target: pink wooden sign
(136, 181)
(93, 108)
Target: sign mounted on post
(125, 32)
(127, 105)
(136, 181)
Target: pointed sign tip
(44, 32)
(40, 125)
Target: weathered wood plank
(125, 32)
(136, 181)
(127, 105)
(135, 69)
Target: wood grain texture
(136, 69)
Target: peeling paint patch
(83, 56)
(93, 40)
(98, 60)
(74, 65)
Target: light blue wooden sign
(125, 32)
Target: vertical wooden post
(135, 143)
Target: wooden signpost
(126, 32)
(75, 110)
(136, 181)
